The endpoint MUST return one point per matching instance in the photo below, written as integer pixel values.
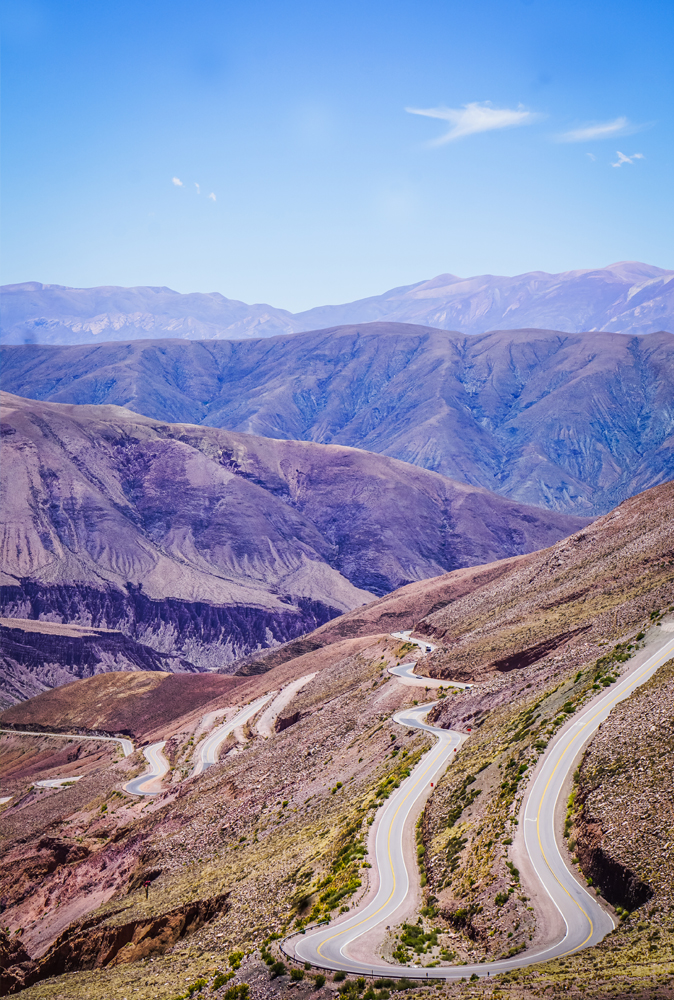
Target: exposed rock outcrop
(36, 656)
(207, 545)
(92, 944)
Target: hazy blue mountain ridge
(627, 297)
(573, 422)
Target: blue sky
(325, 188)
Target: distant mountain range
(572, 422)
(207, 544)
(627, 297)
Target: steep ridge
(574, 422)
(513, 613)
(206, 544)
(627, 297)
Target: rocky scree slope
(490, 620)
(207, 544)
(257, 832)
(274, 835)
(573, 422)
(623, 814)
(628, 297)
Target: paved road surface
(586, 922)
(158, 768)
(423, 644)
(127, 745)
(208, 751)
(405, 671)
(59, 782)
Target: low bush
(221, 979)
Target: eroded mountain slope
(492, 619)
(208, 544)
(574, 422)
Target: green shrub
(339, 977)
(239, 992)
(221, 979)
(235, 959)
(297, 975)
(277, 969)
(319, 980)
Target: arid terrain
(575, 422)
(206, 545)
(275, 834)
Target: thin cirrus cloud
(599, 130)
(179, 183)
(474, 118)
(626, 159)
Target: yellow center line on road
(421, 777)
(635, 681)
(618, 697)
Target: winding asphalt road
(127, 745)
(585, 921)
(208, 753)
(406, 673)
(158, 768)
(424, 645)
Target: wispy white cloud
(475, 117)
(178, 183)
(212, 196)
(599, 130)
(592, 156)
(197, 187)
(626, 159)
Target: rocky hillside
(624, 813)
(36, 656)
(628, 297)
(275, 835)
(135, 704)
(530, 611)
(570, 422)
(206, 544)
